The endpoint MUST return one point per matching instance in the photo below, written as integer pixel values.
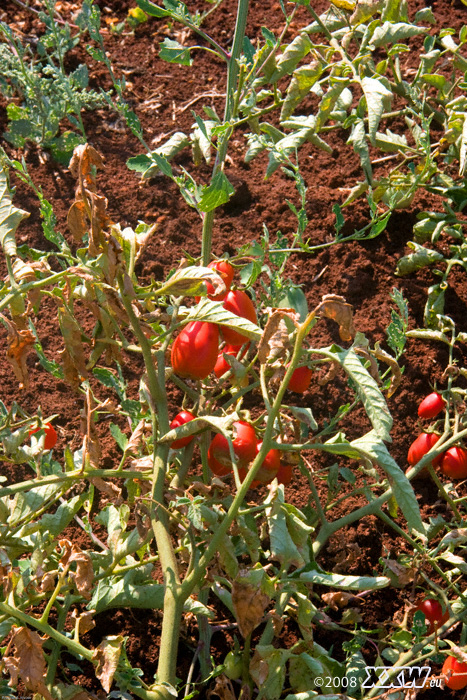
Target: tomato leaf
(421, 257)
(217, 193)
(214, 312)
(10, 216)
(371, 446)
(311, 574)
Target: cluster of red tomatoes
(195, 351)
(453, 462)
(245, 447)
(454, 671)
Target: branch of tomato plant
(232, 75)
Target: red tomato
(194, 352)
(244, 445)
(225, 270)
(50, 439)
(180, 419)
(269, 467)
(240, 304)
(215, 466)
(285, 474)
(454, 463)
(455, 672)
(431, 406)
(300, 380)
(421, 446)
(222, 366)
(433, 612)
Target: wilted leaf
(10, 216)
(28, 662)
(107, 656)
(223, 689)
(339, 599)
(83, 621)
(275, 339)
(249, 604)
(18, 344)
(77, 220)
(400, 575)
(336, 308)
(81, 166)
(189, 281)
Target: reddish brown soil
(361, 272)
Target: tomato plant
(300, 379)
(433, 612)
(454, 463)
(239, 303)
(180, 419)
(50, 439)
(423, 444)
(431, 405)
(455, 673)
(244, 445)
(195, 349)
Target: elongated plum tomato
(300, 380)
(50, 439)
(194, 352)
(180, 419)
(455, 672)
(454, 463)
(434, 615)
(431, 406)
(421, 446)
(240, 304)
(215, 466)
(269, 466)
(244, 445)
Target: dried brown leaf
(336, 308)
(84, 575)
(83, 621)
(249, 604)
(223, 689)
(77, 220)
(109, 488)
(396, 373)
(107, 656)
(339, 599)
(28, 662)
(401, 575)
(136, 439)
(19, 343)
(81, 166)
(275, 339)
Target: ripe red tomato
(455, 672)
(194, 352)
(180, 419)
(433, 612)
(240, 304)
(269, 467)
(215, 466)
(285, 474)
(50, 439)
(300, 380)
(421, 446)
(244, 445)
(454, 463)
(225, 270)
(431, 405)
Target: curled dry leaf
(81, 165)
(83, 621)
(223, 689)
(113, 491)
(339, 599)
(396, 374)
(336, 308)
(331, 374)
(367, 355)
(249, 604)
(401, 575)
(136, 439)
(460, 654)
(28, 662)
(107, 656)
(19, 342)
(77, 220)
(275, 338)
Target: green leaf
(288, 532)
(148, 164)
(434, 307)
(378, 99)
(10, 216)
(396, 331)
(393, 33)
(189, 281)
(368, 391)
(372, 446)
(173, 52)
(463, 148)
(292, 56)
(152, 9)
(358, 140)
(310, 574)
(391, 142)
(421, 257)
(214, 312)
(119, 437)
(56, 522)
(217, 193)
(302, 81)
